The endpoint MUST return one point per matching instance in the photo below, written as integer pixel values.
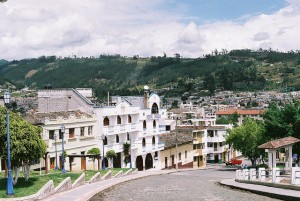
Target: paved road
(190, 185)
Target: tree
(111, 154)
(126, 152)
(27, 146)
(94, 151)
(246, 138)
(283, 121)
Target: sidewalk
(278, 193)
(85, 192)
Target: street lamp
(9, 187)
(103, 162)
(62, 128)
(56, 161)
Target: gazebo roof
(275, 144)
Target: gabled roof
(170, 139)
(275, 144)
(241, 112)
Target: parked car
(234, 162)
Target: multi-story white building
(135, 120)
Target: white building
(136, 120)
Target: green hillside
(236, 70)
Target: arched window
(117, 139)
(129, 119)
(153, 140)
(144, 142)
(106, 121)
(105, 141)
(118, 119)
(144, 124)
(154, 109)
(154, 124)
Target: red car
(234, 162)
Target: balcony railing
(120, 128)
(153, 116)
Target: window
(129, 119)
(106, 121)
(128, 137)
(90, 130)
(105, 141)
(60, 134)
(185, 154)
(71, 132)
(118, 119)
(210, 133)
(144, 124)
(144, 142)
(154, 124)
(194, 135)
(201, 158)
(156, 154)
(195, 158)
(153, 140)
(168, 128)
(117, 139)
(82, 131)
(51, 135)
(179, 156)
(154, 109)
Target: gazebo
(271, 147)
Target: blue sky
(192, 28)
(215, 10)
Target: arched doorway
(106, 162)
(154, 109)
(139, 163)
(149, 162)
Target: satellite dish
(146, 87)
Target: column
(270, 158)
(274, 159)
(290, 158)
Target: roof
(241, 112)
(274, 144)
(170, 139)
(64, 114)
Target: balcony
(195, 141)
(215, 150)
(153, 116)
(216, 139)
(161, 146)
(196, 153)
(119, 128)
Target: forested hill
(173, 76)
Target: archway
(106, 162)
(139, 163)
(154, 109)
(149, 161)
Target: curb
(264, 193)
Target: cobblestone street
(190, 185)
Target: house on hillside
(254, 114)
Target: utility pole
(176, 146)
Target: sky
(191, 28)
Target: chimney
(146, 93)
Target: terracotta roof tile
(241, 112)
(274, 144)
(170, 138)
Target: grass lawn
(36, 181)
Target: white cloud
(33, 28)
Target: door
(173, 161)
(52, 163)
(166, 162)
(216, 158)
(83, 163)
